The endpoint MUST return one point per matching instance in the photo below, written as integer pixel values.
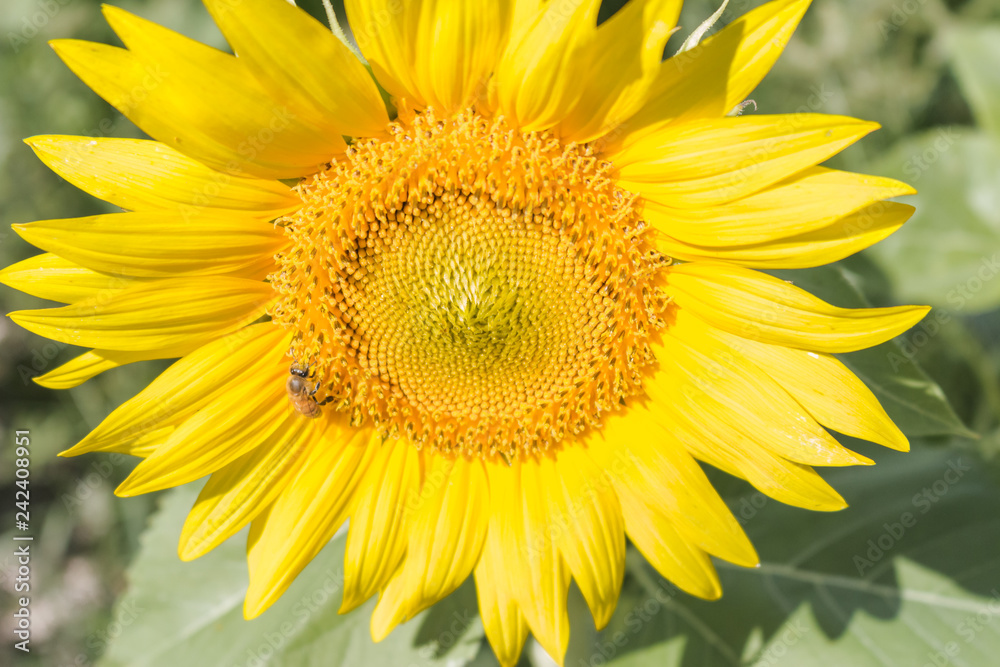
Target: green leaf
(948, 253)
(902, 577)
(176, 613)
(975, 55)
(913, 400)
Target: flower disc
(478, 289)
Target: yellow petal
(158, 314)
(80, 369)
(538, 78)
(198, 100)
(629, 48)
(716, 383)
(436, 53)
(525, 13)
(382, 29)
(828, 244)
(692, 84)
(645, 456)
(760, 307)
(306, 514)
(187, 386)
(296, 58)
(726, 448)
(231, 424)
(670, 553)
(234, 495)
(89, 364)
(160, 244)
(708, 162)
(142, 175)
(141, 446)
(455, 48)
(831, 393)
(538, 575)
(810, 200)
(505, 625)
(446, 534)
(586, 523)
(377, 539)
(51, 277)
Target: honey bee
(301, 394)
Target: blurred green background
(927, 70)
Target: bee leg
(314, 390)
(324, 401)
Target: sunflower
(490, 294)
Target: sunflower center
(478, 290)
